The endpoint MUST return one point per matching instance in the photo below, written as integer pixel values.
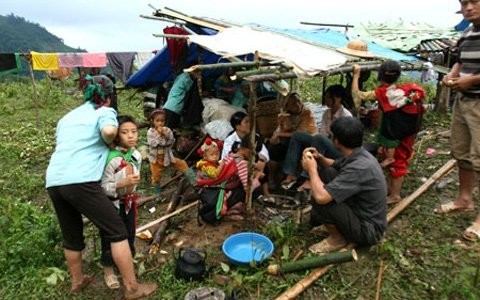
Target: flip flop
(288, 185)
(112, 281)
(324, 247)
(472, 233)
(450, 207)
(87, 279)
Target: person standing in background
(464, 78)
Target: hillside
(20, 35)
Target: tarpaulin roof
(306, 59)
(337, 39)
(159, 68)
(309, 52)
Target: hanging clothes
(121, 64)
(94, 60)
(10, 63)
(44, 61)
(70, 60)
(142, 58)
(174, 45)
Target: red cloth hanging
(175, 45)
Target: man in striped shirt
(465, 128)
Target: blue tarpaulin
(159, 69)
(337, 39)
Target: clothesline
(120, 62)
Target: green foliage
(421, 259)
(20, 35)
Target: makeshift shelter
(312, 49)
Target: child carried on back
(210, 165)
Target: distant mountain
(20, 36)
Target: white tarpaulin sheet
(306, 59)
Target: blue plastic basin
(247, 247)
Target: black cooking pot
(190, 264)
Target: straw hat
(357, 47)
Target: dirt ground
(185, 231)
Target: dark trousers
(106, 258)
(73, 200)
(340, 215)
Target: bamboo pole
(406, 201)
(226, 65)
(333, 71)
(188, 19)
(300, 286)
(179, 22)
(166, 217)
(313, 262)
(35, 92)
(159, 234)
(328, 25)
(171, 36)
(379, 280)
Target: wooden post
(35, 93)
(251, 161)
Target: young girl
(160, 142)
(210, 166)
(119, 180)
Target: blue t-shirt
(176, 96)
(80, 153)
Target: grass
(420, 253)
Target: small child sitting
(160, 141)
(210, 166)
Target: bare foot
(393, 199)
(386, 162)
(305, 186)
(290, 178)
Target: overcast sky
(116, 25)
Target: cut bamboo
(313, 262)
(409, 199)
(379, 280)
(159, 234)
(166, 217)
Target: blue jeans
(301, 140)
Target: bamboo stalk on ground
(379, 280)
(166, 217)
(409, 199)
(313, 262)
(159, 233)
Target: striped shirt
(469, 54)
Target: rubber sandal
(143, 290)
(78, 288)
(112, 281)
(324, 247)
(472, 233)
(288, 185)
(450, 207)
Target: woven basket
(267, 112)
